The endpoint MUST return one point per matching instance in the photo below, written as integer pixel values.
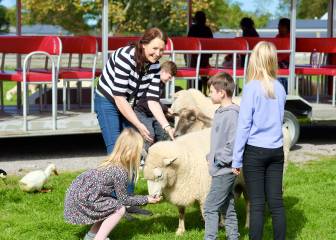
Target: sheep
(195, 100)
(179, 171)
(193, 119)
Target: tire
(292, 124)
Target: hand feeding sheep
(34, 181)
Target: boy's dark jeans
(153, 127)
(263, 172)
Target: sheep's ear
(168, 161)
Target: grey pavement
(80, 152)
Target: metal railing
(265, 32)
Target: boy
(168, 70)
(219, 159)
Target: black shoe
(129, 217)
(137, 210)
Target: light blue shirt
(260, 119)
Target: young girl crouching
(89, 198)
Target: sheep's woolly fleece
(188, 167)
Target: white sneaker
(91, 236)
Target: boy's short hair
(222, 81)
(170, 67)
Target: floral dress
(89, 198)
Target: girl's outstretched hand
(154, 199)
(236, 171)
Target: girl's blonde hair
(263, 66)
(126, 152)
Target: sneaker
(137, 210)
(91, 236)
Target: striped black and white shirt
(119, 77)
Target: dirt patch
(303, 152)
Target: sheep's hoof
(221, 224)
(179, 232)
(44, 190)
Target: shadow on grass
(296, 219)
(164, 222)
(158, 224)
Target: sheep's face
(159, 174)
(190, 120)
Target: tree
(4, 23)
(67, 14)
(306, 9)
(132, 16)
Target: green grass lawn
(310, 202)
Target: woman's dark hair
(247, 25)
(246, 22)
(147, 37)
(200, 18)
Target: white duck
(34, 181)
(3, 175)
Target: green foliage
(131, 16)
(68, 14)
(306, 9)
(312, 9)
(11, 16)
(309, 200)
(4, 22)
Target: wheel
(292, 124)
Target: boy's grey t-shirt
(223, 134)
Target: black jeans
(263, 169)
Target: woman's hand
(170, 131)
(154, 199)
(236, 171)
(145, 133)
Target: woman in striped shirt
(130, 72)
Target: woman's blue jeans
(111, 123)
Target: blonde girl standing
(258, 144)
(89, 198)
